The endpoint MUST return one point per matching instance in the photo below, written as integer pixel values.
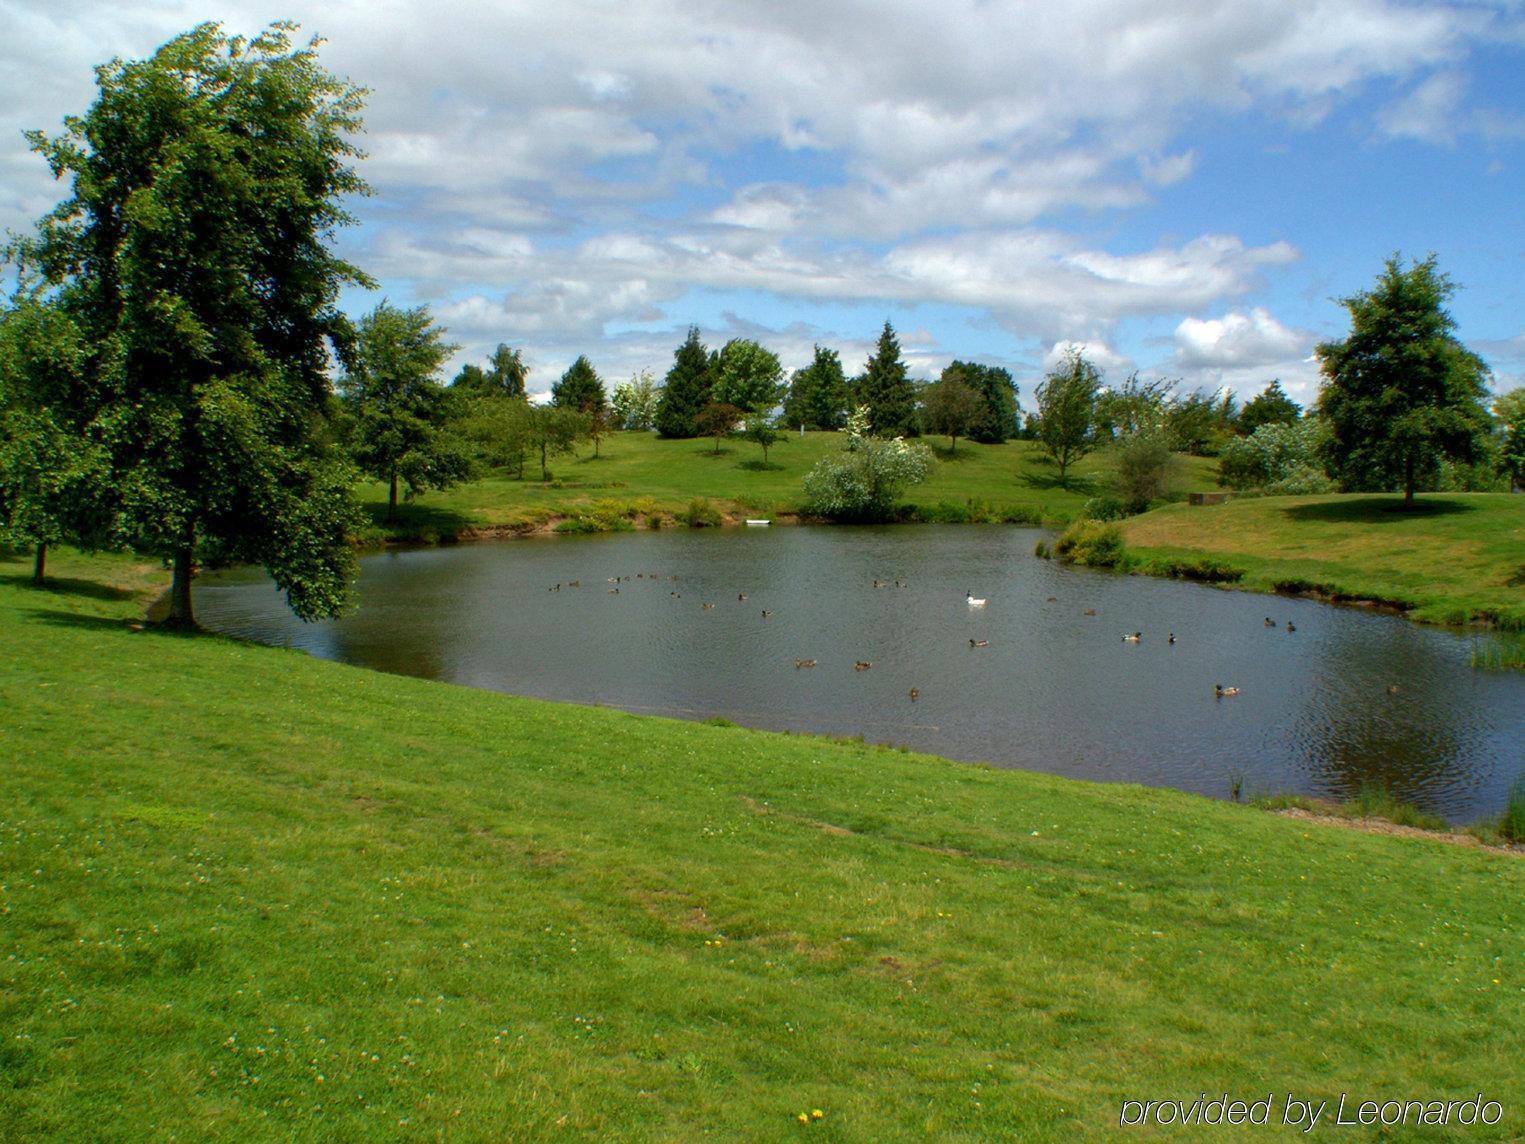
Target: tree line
(176, 374)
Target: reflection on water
(1056, 689)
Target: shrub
(701, 514)
(862, 482)
(1092, 543)
(1042, 551)
(1205, 571)
(1143, 469)
(1512, 825)
(1104, 507)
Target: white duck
(973, 603)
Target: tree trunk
(392, 499)
(1408, 480)
(545, 472)
(40, 565)
(180, 614)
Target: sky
(1186, 188)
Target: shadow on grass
(417, 520)
(112, 624)
(1071, 483)
(712, 453)
(760, 466)
(953, 455)
(1374, 510)
(64, 586)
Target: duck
(900, 583)
(979, 643)
(973, 603)
(614, 591)
(1134, 638)
(1090, 611)
(1270, 623)
(1053, 599)
(676, 595)
(741, 597)
(706, 607)
(799, 663)
(862, 665)
(1171, 638)
(767, 615)
(1219, 691)
(1291, 627)
(915, 694)
(572, 584)
(881, 583)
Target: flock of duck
(973, 601)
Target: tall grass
(1499, 651)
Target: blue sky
(1183, 187)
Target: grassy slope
(640, 470)
(1458, 556)
(251, 893)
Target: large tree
(193, 253)
(1509, 408)
(580, 388)
(402, 428)
(886, 388)
(997, 418)
(504, 376)
(687, 389)
(950, 406)
(818, 393)
(748, 376)
(635, 401)
(1065, 421)
(1400, 392)
(1271, 406)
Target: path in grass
(254, 894)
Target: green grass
(1457, 558)
(638, 474)
(254, 895)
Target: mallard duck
(1134, 638)
(862, 665)
(1171, 638)
(1090, 611)
(1270, 623)
(741, 597)
(706, 607)
(767, 615)
(915, 694)
(1219, 691)
(979, 643)
(973, 603)
(1291, 627)
(799, 663)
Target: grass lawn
(249, 894)
(638, 474)
(1455, 557)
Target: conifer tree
(687, 389)
(886, 389)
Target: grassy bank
(252, 894)
(638, 475)
(1457, 557)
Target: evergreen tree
(887, 390)
(1401, 393)
(207, 182)
(1271, 406)
(580, 388)
(818, 393)
(687, 389)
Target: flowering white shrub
(862, 482)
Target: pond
(710, 624)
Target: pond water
(1056, 689)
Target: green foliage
(1199, 423)
(1271, 406)
(701, 514)
(1136, 406)
(1105, 507)
(748, 376)
(718, 420)
(951, 407)
(1509, 455)
(635, 402)
(1065, 421)
(553, 431)
(999, 416)
(762, 434)
(886, 390)
(580, 388)
(504, 376)
(1143, 469)
(498, 427)
(862, 482)
(207, 182)
(817, 397)
(1401, 391)
(402, 418)
(1280, 457)
(687, 389)
(1512, 824)
(1094, 543)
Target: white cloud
(1245, 351)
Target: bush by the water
(701, 514)
(1104, 507)
(862, 482)
(1093, 543)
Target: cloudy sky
(1184, 187)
